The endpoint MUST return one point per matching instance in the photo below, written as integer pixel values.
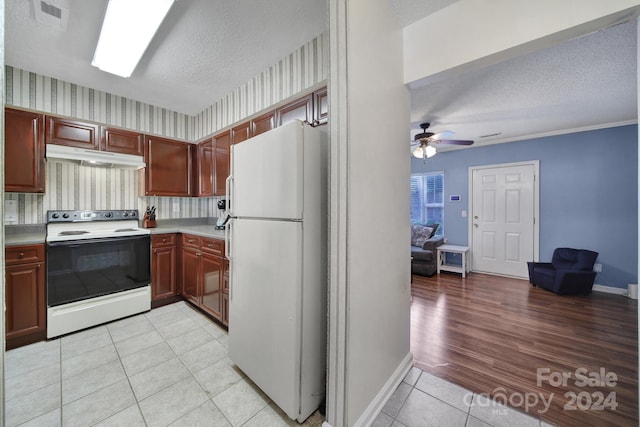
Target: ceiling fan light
(418, 152)
(430, 151)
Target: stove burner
(72, 233)
(121, 230)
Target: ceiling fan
(425, 142)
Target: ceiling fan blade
(455, 142)
(443, 134)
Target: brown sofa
(423, 249)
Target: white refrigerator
(277, 248)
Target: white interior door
(503, 229)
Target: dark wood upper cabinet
(204, 176)
(72, 133)
(24, 167)
(168, 171)
(264, 123)
(221, 162)
(320, 107)
(241, 132)
(300, 109)
(122, 141)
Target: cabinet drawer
(191, 241)
(214, 246)
(159, 240)
(23, 254)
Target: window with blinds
(427, 199)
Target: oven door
(82, 269)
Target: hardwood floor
(491, 334)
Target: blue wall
(588, 193)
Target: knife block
(149, 223)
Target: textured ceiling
(584, 83)
(207, 48)
(203, 50)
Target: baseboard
(378, 402)
(610, 289)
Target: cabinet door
(320, 107)
(73, 133)
(241, 133)
(122, 141)
(212, 284)
(24, 152)
(221, 162)
(264, 123)
(25, 295)
(190, 275)
(163, 272)
(204, 173)
(300, 109)
(168, 168)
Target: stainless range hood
(95, 158)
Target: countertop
(197, 230)
(24, 239)
(33, 234)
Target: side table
(443, 250)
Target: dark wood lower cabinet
(164, 252)
(203, 275)
(26, 309)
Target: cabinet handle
(191, 240)
(155, 251)
(210, 245)
(164, 240)
(198, 254)
(21, 255)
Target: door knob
(475, 217)
(475, 225)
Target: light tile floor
(165, 367)
(170, 367)
(423, 400)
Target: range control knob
(134, 213)
(125, 214)
(65, 215)
(108, 215)
(55, 216)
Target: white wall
(370, 258)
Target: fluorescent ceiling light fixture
(127, 30)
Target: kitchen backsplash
(70, 186)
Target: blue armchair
(569, 272)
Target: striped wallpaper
(36, 92)
(70, 186)
(302, 69)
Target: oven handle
(77, 243)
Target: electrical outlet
(10, 210)
(597, 268)
(176, 207)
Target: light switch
(464, 214)
(10, 211)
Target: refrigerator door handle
(227, 190)
(227, 241)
